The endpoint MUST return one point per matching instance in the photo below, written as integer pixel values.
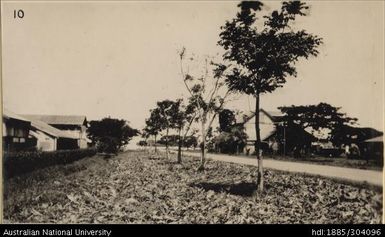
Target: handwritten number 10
(18, 14)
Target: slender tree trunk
(179, 159)
(203, 147)
(145, 148)
(167, 155)
(203, 156)
(182, 139)
(155, 143)
(258, 145)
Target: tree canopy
(226, 120)
(153, 125)
(262, 59)
(321, 116)
(111, 134)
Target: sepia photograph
(192, 112)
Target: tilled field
(137, 187)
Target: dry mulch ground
(137, 187)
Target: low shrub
(17, 163)
(108, 145)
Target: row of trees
(175, 141)
(110, 134)
(322, 118)
(169, 115)
(258, 59)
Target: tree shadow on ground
(155, 158)
(244, 189)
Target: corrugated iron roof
(58, 119)
(44, 127)
(9, 114)
(273, 115)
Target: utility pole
(283, 124)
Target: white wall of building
(44, 141)
(79, 134)
(266, 127)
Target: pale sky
(118, 58)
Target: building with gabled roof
(15, 131)
(274, 116)
(267, 122)
(48, 138)
(373, 148)
(50, 130)
(273, 133)
(70, 126)
(70, 120)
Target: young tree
(262, 59)
(184, 118)
(111, 134)
(207, 94)
(171, 115)
(153, 127)
(167, 109)
(167, 115)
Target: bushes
(17, 163)
(109, 145)
(232, 141)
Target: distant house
(356, 136)
(272, 132)
(48, 138)
(290, 138)
(362, 134)
(373, 148)
(72, 126)
(15, 131)
(267, 126)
